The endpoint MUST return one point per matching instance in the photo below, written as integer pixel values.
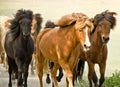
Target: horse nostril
(106, 39)
(86, 46)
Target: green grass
(113, 81)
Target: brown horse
(59, 45)
(35, 28)
(98, 52)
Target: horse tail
(50, 24)
(80, 69)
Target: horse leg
(59, 77)
(20, 70)
(102, 73)
(10, 71)
(68, 72)
(32, 64)
(92, 75)
(48, 79)
(53, 74)
(40, 64)
(25, 71)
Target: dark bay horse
(19, 46)
(97, 54)
(35, 28)
(73, 30)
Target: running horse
(97, 54)
(35, 28)
(4, 27)
(19, 46)
(59, 45)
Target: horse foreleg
(10, 73)
(68, 72)
(102, 73)
(92, 75)
(20, 70)
(25, 72)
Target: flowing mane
(106, 15)
(15, 28)
(39, 21)
(71, 19)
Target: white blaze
(87, 41)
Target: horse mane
(69, 19)
(109, 16)
(50, 24)
(39, 21)
(14, 27)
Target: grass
(113, 81)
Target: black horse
(19, 46)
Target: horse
(35, 28)
(4, 27)
(98, 52)
(50, 24)
(73, 30)
(19, 46)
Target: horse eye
(80, 30)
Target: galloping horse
(4, 27)
(59, 45)
(19, 46)
(98, 52)
(35, 28)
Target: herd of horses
(65, 44)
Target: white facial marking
(87, 41)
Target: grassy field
(54, 9)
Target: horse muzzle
(86, 47)
(105, 39)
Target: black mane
(14, 27)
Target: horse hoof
(9, 85)
(48, 80)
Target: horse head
(103, 23)
(82, 25)
(83, 28)
(23, 20)
(36, 24)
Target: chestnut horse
(97, 54)
(35, 28)
(73, 30)
(4, 27)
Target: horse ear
(92, 20)
(112, 13)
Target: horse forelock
(15, 23)
(83, 21)
(109, 16)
